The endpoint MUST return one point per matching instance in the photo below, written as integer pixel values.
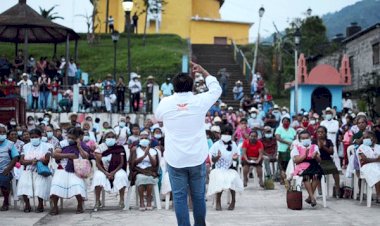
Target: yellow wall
(206, 8)
(203, 32)
(176, 19)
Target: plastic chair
(297, 182)
(364, 185)
(156, 197)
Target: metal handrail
(240, 58)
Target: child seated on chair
(369, 156)
(306, 156)
(224, 176)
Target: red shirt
(54, 89)
(252, 150)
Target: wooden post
(67, 59)
(76, 51)
(25, 48)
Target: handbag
(43, 169)
(294, 198)
(268, 183)
(82, 168)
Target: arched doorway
(321, 98)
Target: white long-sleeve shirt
(134, 86)
(183, 118)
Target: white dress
(370, 171)
(165, 182)
(67, 184)
(100, 179)
(142, 179)
(40, 186)
(222, 177)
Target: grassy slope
(160, 57)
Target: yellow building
(198, 20)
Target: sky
(278, 11)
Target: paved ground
(254, 207)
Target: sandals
(39, 210)
(149, 208)
(232, 206)
(97, 206)
(313, 203)
(79, 210)
(27, 209)
(121, 205)
(308, 200)
(54, 211)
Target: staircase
(215, 57)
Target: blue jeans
(44, 99)
(183, 179)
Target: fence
(242, 61)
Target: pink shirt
(240, 133)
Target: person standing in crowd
(44, 85)
(111, 24)
(135, 20)
(223, 80)
(122, 131)
(285, 135)
(109, 89)
(186, 149)
(149, 87)
(25, 85)
(120, 94)
(167, 88)
(270, 150)
(31, 183)
(65, 183)
(347, 103)
(54, 94)
(71, 72)
(8, 158)
(135, 88)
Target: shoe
(79, 210)
(308, 200)
(313, 203)
(231, 206)
(250, 175)
(54, 211)
(27, 209)
(97, 206)
(39, 210)
(149, 208)
(4, 208)
(121, 205)
(142, 209)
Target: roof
(361, 33)
(195, 18)
(21, 17)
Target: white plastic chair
(364, 185)
(297, 182)
(156, 197)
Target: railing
(242, 61)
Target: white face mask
(328, 116)
(253, 115)
(312, 122)
(367, 142)
(284, 112)
(268, 135)
(226, 138)
(306, 142)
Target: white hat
(330, 110)
(230, 108)
(217, 119)
(362, 114)
(144, 133)
(276, 106)
(215, 129)
(238, 82)
(223, 105)
(72, 114)
(285, 109)
(253, 109)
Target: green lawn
(160, 57)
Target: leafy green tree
(49, 14)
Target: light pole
(115, 37)
(261, 13)
(297, 40)
(128, 6)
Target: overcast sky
(278, 11)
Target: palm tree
(48, 14)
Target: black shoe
(250, 175)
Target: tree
(48, 14)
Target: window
(376, 53)
(351, 60)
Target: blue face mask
(35, 141)
(367, 142)
(49, 134)
(110, 142)
(3, 137)
(328, 116)
(144, 142)
(121, 124)
(44, 139)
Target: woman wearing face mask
(306, 156)
(122, 131)
(270, 150)
(8, 158)
(224, 176)
(65, 183)
(252, 150)
(242, 132)
(12, 136)
(51, 139)
(112, 165)
(326, 149)
(87, 139)
(285, 135)
(369, 157)
(32, 152)
(144, 165)
(31, 123)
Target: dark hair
(75, 131)
(254, 131)
(226, 130)
(183, 83)
(282, 120)
(36, 131)
(97, 120)
(303, 132)
(322, 127)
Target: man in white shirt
(25, 87)
(71, 72)
(122, 131)
(186, 147)
(347, 103)
(135, 87)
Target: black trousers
(135, 100)
(120, 101)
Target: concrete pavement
(254, 207)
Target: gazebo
(21, 24)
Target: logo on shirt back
(182, 107)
